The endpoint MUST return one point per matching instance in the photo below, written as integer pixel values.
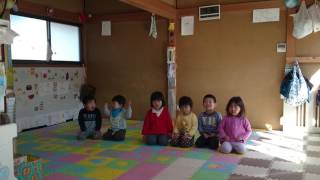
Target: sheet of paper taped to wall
(63, 87)
(45, 88)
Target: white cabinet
(7, 133)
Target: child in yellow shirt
(185, 125)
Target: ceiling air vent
(209, 12)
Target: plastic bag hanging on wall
(6, 34)
(302, 22)
(294, 89)
(314, 12)
(153, 28)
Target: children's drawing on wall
(63, 87)
(30, 91)
(41, 106)
(45, 89)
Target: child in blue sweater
(119, 113)
(208, 124)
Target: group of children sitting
(231, 131)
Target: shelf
(303, 60)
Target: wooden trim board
(303, 60)
(137, 16)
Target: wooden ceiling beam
(154, 6)
(34, 9)
(135, 16)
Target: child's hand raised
(128, 104)
(106, 106)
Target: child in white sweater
(118, 115)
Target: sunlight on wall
(315, 80)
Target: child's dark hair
(157, 96)
(87, 99)
(239, 102)
(120, 99)
(185, 101)
(209, 96)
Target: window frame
(21, 62)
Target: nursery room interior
(63, 63)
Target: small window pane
(31, 43)
(65, 42)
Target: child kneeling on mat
(157, 126)
(89, 120)
(119, 113)
(186, 124)
(235, 128)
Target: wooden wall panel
(308, 46)
(128, 63)
(234, 57)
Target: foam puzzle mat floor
(270, 156)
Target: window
(64, 42)
(42, 40)
(31, 44)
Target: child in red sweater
(157, 127)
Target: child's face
(209, 104)
(234, 109)
(156, 104)
(185, 109)
(91, 105)
(116, 105)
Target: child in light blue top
(118, 115)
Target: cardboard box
(28, 167)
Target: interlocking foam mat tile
(270, 156)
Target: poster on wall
(187, 25)
(46, 96)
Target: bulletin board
(46, 96)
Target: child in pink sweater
(235, 128)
